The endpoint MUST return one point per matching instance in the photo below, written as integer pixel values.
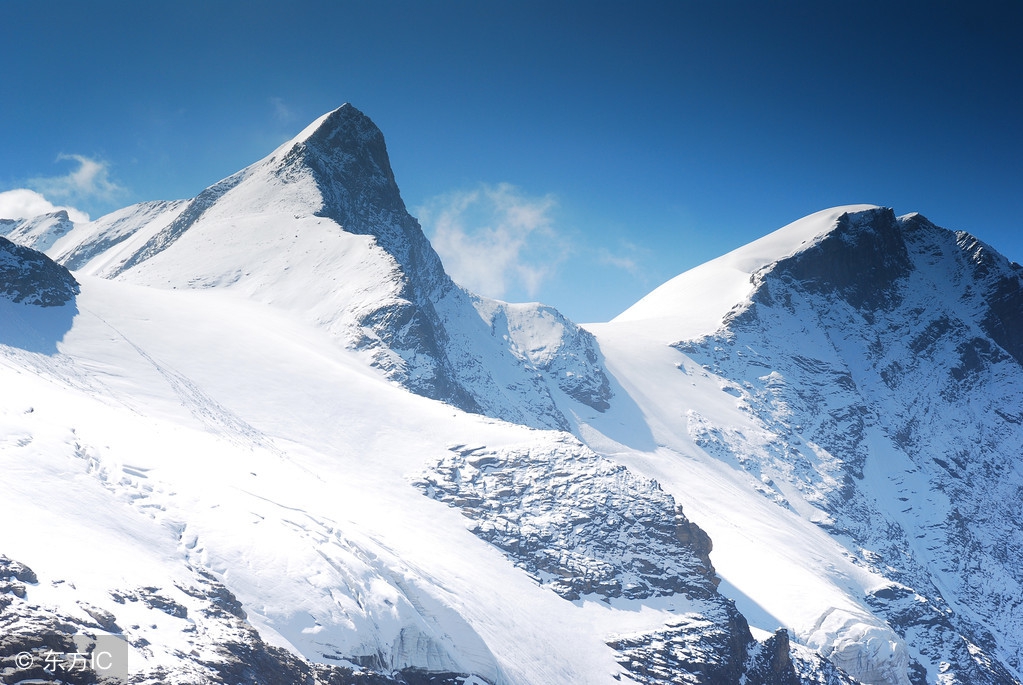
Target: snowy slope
(191, 466)
(862, 374)
(245, 500)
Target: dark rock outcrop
(577, 522)
(714, 647)
(30, 277)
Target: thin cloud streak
(629, 257)
(282, 113)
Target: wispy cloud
(22, 203)
(282, 113)
(88, 183)
(628, 257)
(495, 239)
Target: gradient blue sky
(583, 152)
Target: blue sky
(582, 153)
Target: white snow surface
(781, 569)
(695, 302)
(182, 428)
(234, 435)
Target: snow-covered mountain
(794, 464)
(869, 372)
(319, 229)
(39, 232)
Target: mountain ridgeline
(326, 232)
(796, 464)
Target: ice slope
(860, 372)
(318, 229)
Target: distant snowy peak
(346, 153)
(858, 253)
(39, 232)
(337, 168)
(866, 261)
(90, 247)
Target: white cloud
(90, 181)
(22, 203)
(494, 239)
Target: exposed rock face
(37, 299)
(38, 644)
(858, 261)
(586, 527)
(577, 522)
(703, 648)
(716, 648)
(32, 278)
(884, 361)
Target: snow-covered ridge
(700, 298)
(38, 233)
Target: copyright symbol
(24, 660)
